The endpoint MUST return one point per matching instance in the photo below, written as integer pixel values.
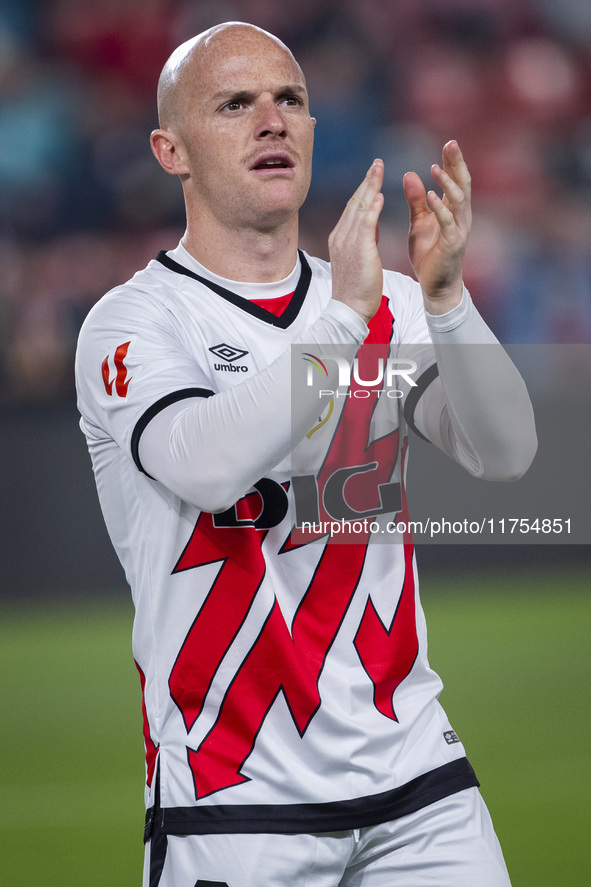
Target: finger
(365, 204)
(369, 187)
(415, 194)
(445, 217)
(455, 197)
(451, 189)
(362, 220)
(455, 165)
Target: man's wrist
(442, 323)
(445, 302)
(347, 315)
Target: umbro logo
(227, 352)
(229, 355)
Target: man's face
(245, 131)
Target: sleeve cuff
(443, 323)
(354, 323)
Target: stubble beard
(250, 210)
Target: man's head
(235, 126)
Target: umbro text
(231, 367)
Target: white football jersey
(285, 678)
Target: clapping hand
(357, 275)
(439, 229)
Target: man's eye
(292, 100)
(234, 105)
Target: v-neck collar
(283, 320)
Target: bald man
(291, 720)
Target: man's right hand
(357, 275)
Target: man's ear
(166, 152)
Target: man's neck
(247, 255)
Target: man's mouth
(273, 162)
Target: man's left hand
(439, 230)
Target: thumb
(415, 194)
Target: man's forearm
(210, 451)
(487, 423)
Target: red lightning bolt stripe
(388, 655)
(224, 609)
(151, 748)
(279, 662)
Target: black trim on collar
(146, 418)
(283, 321)
(417, 392)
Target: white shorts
(450, 843)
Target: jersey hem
(333, 816)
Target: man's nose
(270, 120)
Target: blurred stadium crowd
(83, 204)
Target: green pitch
(513, 649)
